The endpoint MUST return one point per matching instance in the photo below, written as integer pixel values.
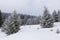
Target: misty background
(30, 7)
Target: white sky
(32, 7)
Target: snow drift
(34, 32)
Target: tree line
(13, 23)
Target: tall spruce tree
(1, 20)
(47, 20)
(11, 24)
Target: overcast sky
(32, 7)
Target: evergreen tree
(55, 16)
(47, 20)
(11, 24)
(1, 19)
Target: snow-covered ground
(34, 32)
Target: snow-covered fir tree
(11, 24)
(55, 16)
(47, 20)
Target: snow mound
(35, 32)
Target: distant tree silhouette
(59, 15)
(55, 16)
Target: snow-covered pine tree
(55, 16)
(47, 21)
(11, 24)
(1, 19)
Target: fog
(30, 7)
